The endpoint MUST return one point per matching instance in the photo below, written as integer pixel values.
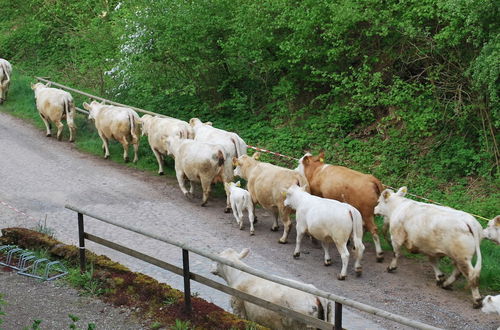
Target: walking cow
(119, 123)
(55, 105)
(158, 129)
(266, 183)
(436, 231)
(345, 185)
(5, 72)
(492, 232)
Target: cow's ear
(402, 191)
(497, 221)
(306, 159)
(244, 253)
(283, 193)
(256, 155)
(321, 156)
(209, 123)
(235, 161)
(238, 184)
(86, 105)
(386, 194)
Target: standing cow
(299, 301)
(197, 162)
(436, 232)
(345, 185)
(5, 72)
(55, 105)
(233, 145)
(241, 201)
(266, 183)
(119, 123)
(328, 221)
(158, 129)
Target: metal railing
(188, 276)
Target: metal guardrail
(339, 300)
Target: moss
(156, 301)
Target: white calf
(299, 301)
(491, 304)
(5, 72)
(328, 221)
(198, 162)
(240, 200)
(435, 231)
(492, 232)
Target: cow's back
(345, 185)
(113, 122)
(50, 102)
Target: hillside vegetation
(407, 91)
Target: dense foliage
(407, 91)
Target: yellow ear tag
(257, 158)
(283, 193)
(322, 160)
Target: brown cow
(267, 184)
(345, 185)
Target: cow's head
(492, 232)
(291, 193)
(385, 198)
(309, 160)
(194, 122)
(489, 304)
(145, 121)
(231, 255)
(36, 86)
(93, 108)
(243, 162)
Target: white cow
(55, 105)
(5, 72)
(241, 201)
(119, 123)
(197, 162)
(233, 145)
(157, 129)
(328, 221)
(435, 231)
(299, 301)
(491, 304)
(492, 232)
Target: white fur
(240, 201)
(492, 232)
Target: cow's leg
(235, 212)
(465, 267)
(301, 230)
(104, 144)
(47, 124)
(451, 279)
(72, 129)
(251, 217)
(438, 273)
(159, 159)
(238, 307)
(287, 223)
(326, 248)
(124, 143)
(276, 216)
(60, 127)
(396, 246)
(344, 254)
(358, 253)
(240, 214)
(135, 144)
(205, 186)
(228, 202)
(372, 228)
(181, 180)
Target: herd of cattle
(332, 203)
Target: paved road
(38, 175)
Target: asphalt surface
(39, 175)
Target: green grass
(479, 197)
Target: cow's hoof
(188, 195)
(204, 204)
(72, 140)
(391, 269)
(252, 233)
(358, 271)
(328, 262)
(126, 159)
(161, 173)
(448, 287)
(296, 255)
(477, 303)
(274, 228)
(282, 242)
(241, 227)
(227, 210)
(340, 277)
(106, 156)
(440, 280)
(380, 258)
(48, 135)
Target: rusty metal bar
(187, 282)
(81, 237)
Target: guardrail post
(81, 237)
(338, 316)
(187, 281)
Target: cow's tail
(5, 70)
(378, 186)
(69, 111)
(357, 231)
(324, 308)
(131, 118)
(239, 145)
(477, 240)
(220, 158)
